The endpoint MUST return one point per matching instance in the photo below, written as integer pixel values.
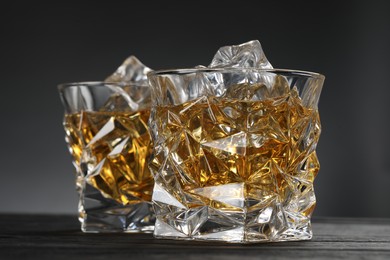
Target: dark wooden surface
(59, 237)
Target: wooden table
(59, 237)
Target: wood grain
(59, 237)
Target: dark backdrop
(43, 45)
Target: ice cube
(246, 55)
(251, 84)
(119, 100)
(133, 92)
(131, 71)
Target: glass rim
(66, 85)
(185, 71)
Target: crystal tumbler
(108, 138)
(234, 155)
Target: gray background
(43, 45)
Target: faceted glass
(108, 138)
(234, 155)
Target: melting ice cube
(246, 55)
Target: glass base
(98, 214)
(208, 224)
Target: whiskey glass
(108, 138)
(234, 156)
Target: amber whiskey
(264, 149)
(111, 150)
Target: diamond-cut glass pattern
(109, 140)
(238, 165)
